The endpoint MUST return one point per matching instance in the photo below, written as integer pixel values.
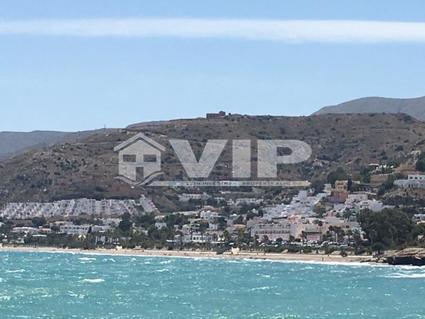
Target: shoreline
(314, 258)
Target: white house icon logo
(139, 159)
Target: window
(129, 158)
(148, 158)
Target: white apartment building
(208, 215)
(71, 229)
(197, 238)
(412, 181)
(187, 197)
(68, 208)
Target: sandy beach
(195, 254)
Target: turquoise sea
(56, 285)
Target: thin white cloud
(268, 30)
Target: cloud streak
(289, 31)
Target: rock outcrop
(407, 256)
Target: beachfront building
(71, 229)
(271, 231)
(197, 238)
(305, 230)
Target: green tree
(365, 174)
(387, 185)
(145, 220)
(319, 209)
(38, 221)
(420, 164)
(391, 228)
(175, 219)
(337, 175)
(125, 223)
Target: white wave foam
(149, 258)
(260, 288)
(354, 264)
(162, 270)
(87, 259)
(93, 281)
(15, 271)
(406, 276)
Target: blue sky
(77, 82)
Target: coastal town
(212, 159)
(328, 220)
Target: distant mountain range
(414, 107)
(13, 143)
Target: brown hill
(88, 168)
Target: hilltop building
(218, 115)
